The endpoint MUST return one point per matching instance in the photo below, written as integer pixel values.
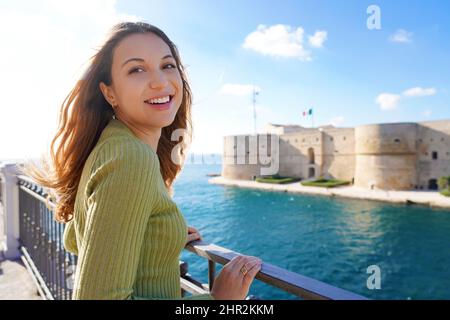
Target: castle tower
(386, 156)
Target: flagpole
(254, 108)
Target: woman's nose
(158, 80)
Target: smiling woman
(137, 62)
(112, 173)
(147, 90)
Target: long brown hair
(85, 113)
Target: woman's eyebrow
(142, 60)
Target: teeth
(160, 100)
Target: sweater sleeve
(120, 197)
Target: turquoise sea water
(331, 240)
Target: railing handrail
(294, 283)
(38, 195)
(297, 284)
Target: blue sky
(342, 81)
(350, 75)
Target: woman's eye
(167, 66)
(171, 65)
(135, 69)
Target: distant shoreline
(427, 198)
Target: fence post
(9, 209)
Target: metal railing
(41, 243)
(41, 239)
(294, 283)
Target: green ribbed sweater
(127, 232)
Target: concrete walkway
(428, 198)
(15, 281)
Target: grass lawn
(277, 179)
(446, 192)
(325, 183)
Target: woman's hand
(193, 235)
(235, 278)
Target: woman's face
(146, 88)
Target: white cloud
(318, 39)
(401, 36)
(337, 121)
(282, 41)
(427, 113)
(388, 101)
(419, 92)
(46, 46)
(238, 89)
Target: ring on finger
(244, 270)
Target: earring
(114, 111)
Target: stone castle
(389, 156)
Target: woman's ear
(107, 94)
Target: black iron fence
(41, 242)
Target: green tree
(444, 183)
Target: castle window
(397, 140)
(311, 155)
(331, 138)
(442, 139)
(343, 139)
(434, 155)
(317, 139)
(420, 140)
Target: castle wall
(247, 156)
(386, 156)
(295, 153)
(339, 153)
(395, 156)
(433, 152)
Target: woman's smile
(162, 103)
